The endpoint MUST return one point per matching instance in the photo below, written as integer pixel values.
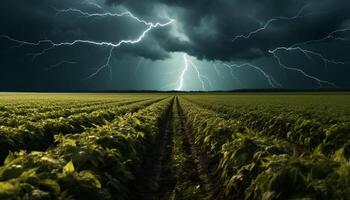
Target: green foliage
(258, 147)
(38, 135)
(259, 154)
(188, 185)
(307, 120)
(98, 163)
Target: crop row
(311, 133)
(16, 120)
(188, 184)
(43, 106)
(327, 109)
(99, 163)
(39, 135)
(26, 109)
(21, 104)
(251, 165)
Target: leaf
(68, 168)
(10, 157)
(268, 195)
(6, 189)
(137, 121)
(53, 185)
(70, 142)
(90, 177)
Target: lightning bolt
(182, 75)
(105, 65)
(217, 71)
(319, 81)
(330, 36)
(309, 54)
(298, 47)
(201, 78)
(105, 14)
(61, 63)
(232, 73)
(269, 22)
(199, 75)
(272, 82)
(110, 45)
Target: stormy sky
(65, 45)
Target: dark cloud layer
(204, 29)
(212, 25)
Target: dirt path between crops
(163, 176)
(157, 180)
(157, 168)
(200, 159)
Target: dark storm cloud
(212, 25)
(204, 29)
(209, 26)
(37, 20)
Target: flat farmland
(175, 146)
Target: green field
(175, 146)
